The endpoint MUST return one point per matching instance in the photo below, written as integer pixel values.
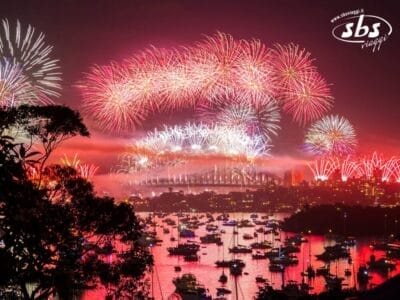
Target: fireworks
(308, 98)
(367, 168)
(221, 52)
(267, 118)
(254, 73)
(291, 63)
(348, 169)
(195, 138)
(178, 144)
(322, 169)
(396, 171)
(14, 88)
(332, 135)
(26, 50)
(111, 100)
(86, 171)
(258, 115)
(122, 96)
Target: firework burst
(221, 52)
(14, 88)
(348, 169)
(291, 64)
(322, 168)
(26, 49)
(332, 135)
(260, 115)
(86, 171)
(218, 73)
(254, 74)
(308, 98)
(112, 100)
(178, 144)
(370, 165)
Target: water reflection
(208, 275)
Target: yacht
(184, 249)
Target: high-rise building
(293, 177)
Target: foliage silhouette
(56, 234)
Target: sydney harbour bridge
(224, 177)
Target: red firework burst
(307, 98)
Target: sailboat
(310, 270)
(223, 278)
(235, 268)
(178, 268)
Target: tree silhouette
(56, 238)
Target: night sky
(365, 84)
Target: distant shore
(346, 220)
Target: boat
(253, 216)
(228, 263)
(236, 269)
(259, 255)
(322, 271)
(260, 230)
(240, 249)
(260, 279)
(169, 221)
(285, 260)
(247, 236)
(333, 283)
(223, 278)
(295, 240)
(229, 223)
(211, 227)
(184, 249)
(381, 265)
(245, 223)
(290, 249)
(276, 268)
(309, 272)
(177, 268)
(260, 222)
(262, 245)
(211, 238)
(223, 291)
(223, 217)
(363, 274)
(186, 233)
(191, 257)
(273, 253)
(333, 252)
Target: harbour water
(208, 274)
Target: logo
(356, 27)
